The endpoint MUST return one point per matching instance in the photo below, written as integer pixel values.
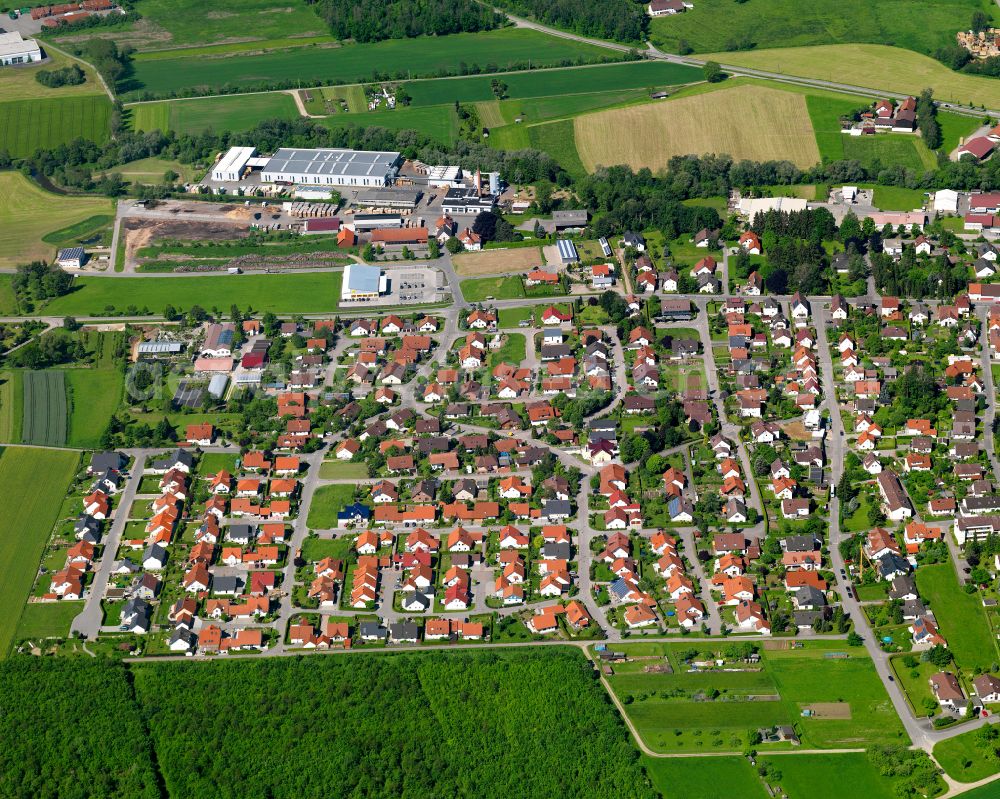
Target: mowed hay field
(755, 122)
(872, 66)
(28, 212)
(497, 262)
(35, 482)
(28, 125)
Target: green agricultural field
(8, 301)
(704, 778)
(313, 292)
(358, 63)
(439, 122)
(712, 24)
(875, 67)
(29, 125)
(501, 288)
(213, 113)
(825, 113)
(968, 757)
(45, 419)
(11, 407)
(960, 616)
(554, 82)
(47, 620)
(94, 395)
(27, 213)
(182, 23)
(39, 479)
(327, 502)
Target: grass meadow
(831, 777)
(8, 300)
(28, 125)
(239, 112)
(93, 396)
(28, 212)
(964, 759)
(39, 480)
(11, 406)
(704, 778)
(358, 62)
(712, 24)
(47, 620)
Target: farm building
(154, 348)
(567, 252)
(71, 257)
(15, 50)
(362, 282)
(332, 167)
(233, 164)
(217, 385)
(946, 201)
(376, 221)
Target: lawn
(959, 615)
(831, 777)
(510, 317)
(712, 24)
(876, 67)
(358, 62)
(94, 395)
(753, 122)
(440, 122)
(512, 351)
(341, 470)
(39, 479)
(500, 288)
(889, 150)
(955, 127)
(314, 292)
(80, 232)
(326, 503)
(11, 407)
(965, 759)
(29, 125)
(45, 413)
(20, 83)
(47, 620)
(8, 301)
(898, 198)
(704, 778)
(27, 213)
(213, 113)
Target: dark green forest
(376, 20)
(71, 729)
(620, 20)
(482, 724)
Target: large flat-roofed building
(389, 198)
(231, 166)
(332, 167)
(466, 200)
(15, 50)
(362, 283)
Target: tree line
(376, 20)
(619, 20)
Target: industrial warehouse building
(233, 164)
(15, 50)
(362, 283)
(332, 167)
